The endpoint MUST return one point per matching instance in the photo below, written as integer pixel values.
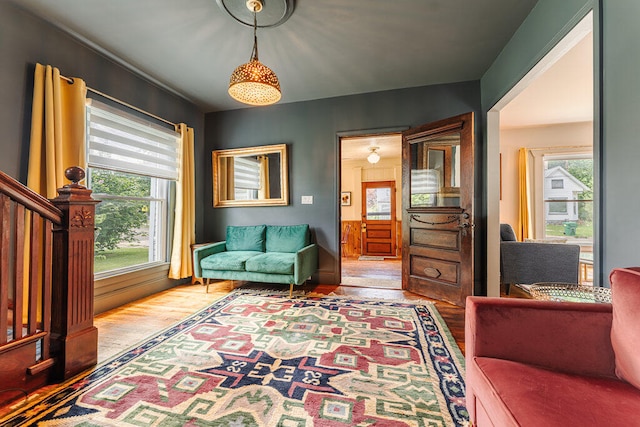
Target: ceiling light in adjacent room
(254, 83)
(373, 157)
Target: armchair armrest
(567, 337)
(306, 263)
(204, 251)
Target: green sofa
(281, 254)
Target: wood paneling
(351, 239)
(351, 242)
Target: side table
(195, 279)
(570, 292)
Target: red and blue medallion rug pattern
(261, 359)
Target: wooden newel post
(74, 339)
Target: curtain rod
(126, 104)
(559, 147)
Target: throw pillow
(246, 238)
(287, 238)
(625, 329)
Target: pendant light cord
(254, 54)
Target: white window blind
(123, 142)
(246, 173)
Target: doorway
(548, 119)
(370, 232)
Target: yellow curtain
(184, 230)
(524, 201)
(227, 174)
(57, 130)
(57, 142)
(263, 192)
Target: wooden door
(379, 218)
(437, 200)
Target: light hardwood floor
(123, 327)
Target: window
(132, 165)
(246, 176)
(568, 196)
(557, 208)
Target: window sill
(116, 290)
(128, 270)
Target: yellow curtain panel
(57, 130)
(263, 192)
(57, 142)
(184, 234)
(524, 205)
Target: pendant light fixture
(254, 83)
(373, 157)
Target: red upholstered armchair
(543, 363)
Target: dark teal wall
(620, 133)
(310, 129)
(26, 40)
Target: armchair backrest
(527, 263)
(507, 234)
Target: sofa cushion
(515, 393)
(625, 328)
(246, 238)
(287, 238)
(234, 260)
(272, 262)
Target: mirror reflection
(254, 176)
(435, 171)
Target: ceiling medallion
(273, 13)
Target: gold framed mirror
(252, 176)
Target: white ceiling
(358, 148)
(327, 48)
(562, 94)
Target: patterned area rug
(261, 359)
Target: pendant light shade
(373, 157)
(254, 83)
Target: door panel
(437, 192)
(379, 218)
(438, 239)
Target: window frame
(160, 219)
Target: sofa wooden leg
(207, 281)
(290, 290)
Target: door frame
(566, 40)
(373, 132)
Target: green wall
(620, 133)
(310, 129)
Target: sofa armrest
(306, 263)
(562, 336)
(204, 251)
